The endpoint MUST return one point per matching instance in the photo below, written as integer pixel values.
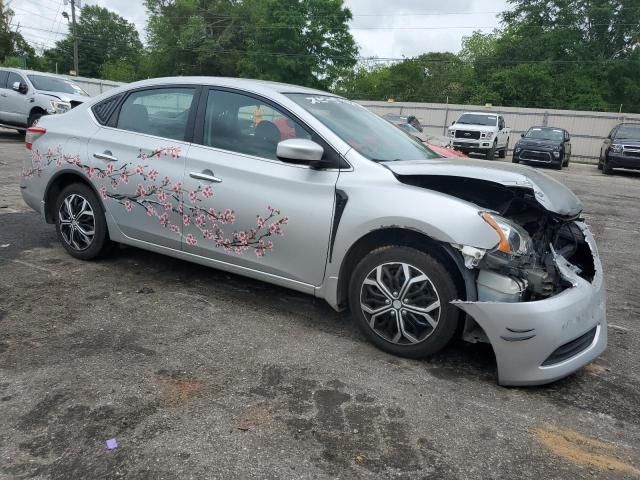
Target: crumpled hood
(550, 193)
(65, 97)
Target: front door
(139, 163)
(245, 206)
(16, 102)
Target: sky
(382, 28)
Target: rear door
(245, 206)
(141, 153)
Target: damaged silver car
(313, 192)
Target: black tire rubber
(503, 152)
(22, 133)
(558, 166)
(101, 245)
(514, 160)
(450, 316)
(599, 166)
(34, 117)
(491, 154)
(606, 168)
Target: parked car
(544, 146)
(621, 149)
(25, 96)
(348, 208)
(404, 119)
(481, 132)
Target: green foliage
(105, 38)
(14, 50)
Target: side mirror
(522, 134)
(300, 149)
(19, 87)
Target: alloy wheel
(77, 222)
(400, 303)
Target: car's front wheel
(491, 153)
(80, 222)
(606, 168)
(400, 298)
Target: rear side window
(163, 112)
(104, 109)
(3, 79)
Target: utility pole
(75, 37)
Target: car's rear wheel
(503, 152)
(400, 298)
(80, 222)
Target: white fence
(587, 129)
(93, 86)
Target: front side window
(163, 112)
(243, 124)
(13, 78)
(53, 84)
(369, 134)
(3, 78)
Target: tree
(104, 38)
(14, 50)
(299, 41)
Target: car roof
(547, 127)
(29, 72)
(259, 86)
(480, 113)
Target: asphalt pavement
(200, 374)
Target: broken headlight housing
(57, 106)
(514, 240)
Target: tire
(515, 160)
(503, 152)
(606, 168)
(420, 335)
(33, 118)
(599, 164)
(558, 166)
(21, 132)
(73, 223)
(491, 154)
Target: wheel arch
(447, 255)
(37, 109)
(57, 183)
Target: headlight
(452, 133)
(487, 135)
(514, 240)
(59, 107)
(517, 149)
(616, 148)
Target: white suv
(480, 132)
(25, 96)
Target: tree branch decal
(159, 197)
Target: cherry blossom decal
(159, 197)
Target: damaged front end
(540, 298)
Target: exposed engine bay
(535, 237)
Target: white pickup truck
(480, 132)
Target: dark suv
(621, 149)
(544, 146)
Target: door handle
(207, 175)
(106, 155)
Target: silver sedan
(310, 191)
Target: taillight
(33, 133)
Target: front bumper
(527, 336)
(619, 160)
(534, 155)
(472, 145)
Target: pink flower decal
(191, 240)
(207, 192)
(153, 175)
(109, 169)
(174, 228)
(139, 170)
(162, 197)
(103, 192)
(164, 219)
(177, 187)
(193, 196)
(128, 205)
(186, 219)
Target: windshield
(628, 132)
(478, 119)
(554, 134)
(53, 84)
(366, 132)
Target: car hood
(634, 143)
(527, 142)
(65, 97)
(552, 195)
(472, 128)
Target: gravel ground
(201, 374)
